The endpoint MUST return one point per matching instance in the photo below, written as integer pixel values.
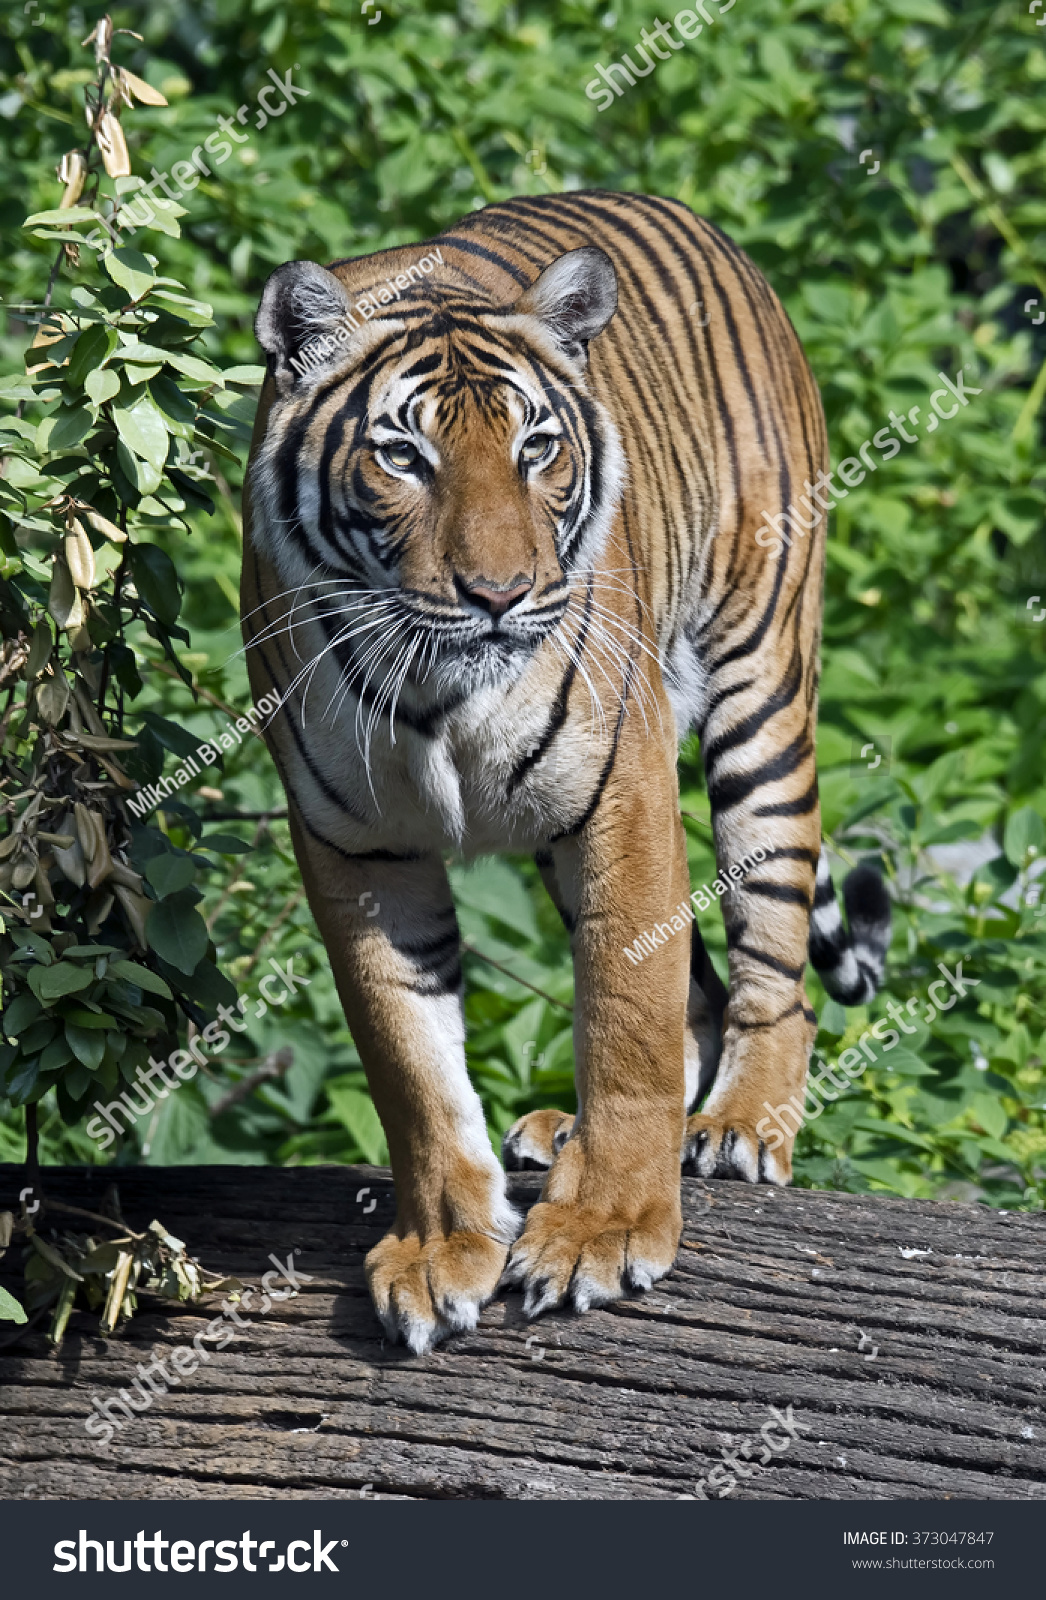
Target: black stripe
(791, 808)
(723, 793)
(766, 960)
(785, 892)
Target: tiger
(503, 550)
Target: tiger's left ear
(303, 322)
(574, 299)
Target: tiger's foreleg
(392, 935)
(609, 1217)
(759, 753)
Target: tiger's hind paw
(534, 1142)
(727, 1147)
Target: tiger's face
(444, 469)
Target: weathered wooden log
(907, 1337)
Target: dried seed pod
(101, 36)
(80, 641)
(102, 525)
(117, 773)
(72, 171)
(142, 91)
(70, 858)
(42, 885)
(135, 908)
(111, 142)
(94, 741)
(97, 909)
(101, 861)
(85, 830)
(9, 845)
(24, 872)
(79, 555)
(124, 875)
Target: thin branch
(289, 905)
(274, 1066)
(471, 948)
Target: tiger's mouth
(472, 654)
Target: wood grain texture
(765, 1307)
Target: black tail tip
(866, 898)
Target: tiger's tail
(850, 964)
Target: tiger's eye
(537, 447)
(400, 455)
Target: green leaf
(244, 375)
(143, 430)
(10, 1310)
(157, 582)
(20, 1014)
(495, 889)
(130, 270)
(64, 429)
(87, 1044)
(990, 1114)
(57, 1054)
(177, 932)
(20, 1087)
(355, 1111)
(141, 475)
(191, 366)
(169, 873)
(102, 384)
(87, 1019)
(90, 350)
(50, 983)
(1024, 834)
(56, 216)
(144, 977)
(226, 844)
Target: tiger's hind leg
(535, 1140)
(759, 755)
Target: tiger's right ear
(304, 323)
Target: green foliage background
(925, 265)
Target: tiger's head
(442, 466)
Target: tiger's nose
(494, 598)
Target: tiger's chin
(493, 662)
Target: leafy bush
(925, 265)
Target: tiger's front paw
(534, 1142)
(730, 1147)
(591, 1255)
(423, 1292)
